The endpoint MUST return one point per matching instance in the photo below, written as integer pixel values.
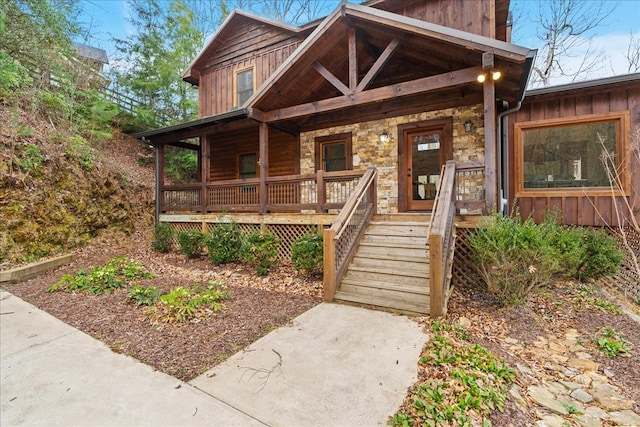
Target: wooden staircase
(390, 269)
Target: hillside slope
(57, 192)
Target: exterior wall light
(481, 78)
(384, 137)
(468, 126)
(495, 75)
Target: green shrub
(224, 242)
(184, 304)
(117, 273)
(191, 243)
(601, 256)
(307, 253)
(261, 251)
(163, 238)
(514, 257)
(143, 296)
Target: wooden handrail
(335, 263)
(349, 208)
(441, 240)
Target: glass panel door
(424, 168)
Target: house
(89, 63)
(379, 124)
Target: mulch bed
(185, 350)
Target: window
(244, 86)
(567, 153)
(247, 165)
(333, 152)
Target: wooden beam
(377, 66)
(490, 173)
(331, 78)
(414, 87)
(353, 61)
(205, 166)
(264, 165)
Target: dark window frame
(339, 138)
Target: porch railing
(470, 187)
(442, 241)
(319, 192)
(341, 240)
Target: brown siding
(226, 148)
(477, 17)
(575, 208)
(251, 45)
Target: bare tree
(565, 27)
(633, 53)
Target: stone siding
(368, 150)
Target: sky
(108, 19)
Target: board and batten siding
(252, 45)
(592, 208)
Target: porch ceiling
(319, 71)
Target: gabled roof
(425, 50)
(587, 84)
(226, 29)
(92, 53)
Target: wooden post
(321, 190)
(353, 61)
(435, 275)
(490, 143)
(264, 165)
(329, 248)
(205, 165)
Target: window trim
(238, 163)
(345, 137)
(235, 82)
(622, 120)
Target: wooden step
(418, 217)
(386, 250)
(423, 273)
(421, 288)
(392, 278)
(397, 230)
(394, 240)
(391, 264)
(414, 307)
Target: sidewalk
(333, 365)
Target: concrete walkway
(334, 365)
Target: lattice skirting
(286, 233)
(627, 280)
(464, 272)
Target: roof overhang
(403, 51)
(187, 129)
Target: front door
(426, 149)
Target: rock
(556, 347)
(511, 341)
(596, 411)
(586, 420)
(583, 355)
(581, 396)
(556, 358)
(546, 399)
(582, 364)
(464, 322)
(551, 421)
(583, 379)
(609, 374)
(556, 388)
(514, 391)
(572, 406)
(524, 369)
(609, 398)
(626, 418)
(570, 385)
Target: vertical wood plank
(490, 142)
(321, 190)
(353, 60)
(205, 164)
(435, 276)
(329, 277)
(264, 165)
